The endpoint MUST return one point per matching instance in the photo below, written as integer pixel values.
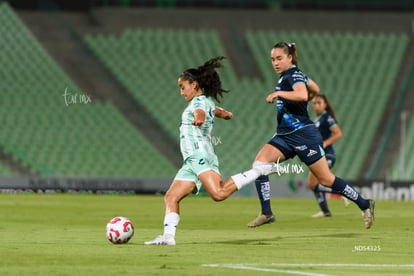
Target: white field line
(340, 265)
(248, 267)
(259, 267)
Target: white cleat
(161, 240)
(262, 219)
(267, 168)
(322, 215)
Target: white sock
(244, 178)
(171, 221)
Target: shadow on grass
(270, 241)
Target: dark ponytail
(329, 108)
(207, 77)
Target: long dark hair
(289, 49)
(207, 78)
(329, 108)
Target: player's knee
(218, 197)
(166, 198)
(326, 180)
(169, 198)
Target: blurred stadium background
(89, 99)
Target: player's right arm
(313, 89)
(335, 136)
(199, 117)
(298, 94)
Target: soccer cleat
(267, 168)
(322, 215)
(161, 240)
(261, 219)
(368, 214)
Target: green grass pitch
(64, 234)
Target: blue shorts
(306, 143)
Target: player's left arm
(199, 117)
(222, 113)
(335, 136)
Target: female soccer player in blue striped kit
(297, 135)
(326, 123)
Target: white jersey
(197, 139)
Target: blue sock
(321, 199)
(345, 189)
(263, 191)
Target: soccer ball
(119, 230)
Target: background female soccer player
(199, 86)
(328, 126)
(296, 134)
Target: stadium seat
(43, 133)
(334, 54)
